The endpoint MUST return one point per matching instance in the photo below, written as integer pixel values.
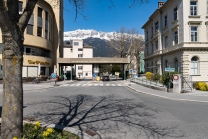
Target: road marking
(119, 84)
(95, 84)
(101, 84)
(65, 85)
(89, 84)
(107, 84)
(77, 84)
(113, 84)
(84, 85)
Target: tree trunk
(12, 112)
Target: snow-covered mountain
(84, 34)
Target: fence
(147, 82)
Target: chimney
(160, 4)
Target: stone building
(176, 36)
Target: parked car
(105, 78)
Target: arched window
(176, 64)
(194, 65)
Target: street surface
(110, 110)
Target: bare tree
(128, 44)
(12, 27)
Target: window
(207, 6)
(152, 31)
(176, 64)
(166, 21)
(194, 65)
(166, 41)
(156, 26)
(80, 55)
(30, 29)
(20, 7)
(166, 63)
(193, 8)
(0, 48)
(46, 25)
(147, 36)
(76, 43)
(80, 49)
(147, 51)
(176, 37)
(28, 51)
(156, 45)
(152, 48)
(86, 74)
(39, 31)
(79, 67)
(175, 12)
(147, 67)
(71, 50)
(194, 34)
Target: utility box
(177, 83)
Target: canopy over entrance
(93, 61)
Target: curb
(68, 129)
(160, 96)
(178, 99)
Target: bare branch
(26, 14)
(5, 20)
(12, 6)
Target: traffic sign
(130, 71)
(117, 73)
(134, 71)
(170, 69)
(94, 75)
(175, 77)
(53, 75)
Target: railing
(147, 82)
(187, 83)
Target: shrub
(166, 77)
(156, 77)
(201, 86)
(35, 131)
(148, 75)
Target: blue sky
(101, 18)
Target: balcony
(172, 48)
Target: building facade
(77, 49)
(176, 36)
(43, 38)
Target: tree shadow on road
(105, 117)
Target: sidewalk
(42, 85)
(194, 96)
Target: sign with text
(170, 69)
(117, 73)
(130, 71)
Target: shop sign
(37, 62)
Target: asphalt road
(115, 112)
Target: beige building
(77, 49)
(176, 36)
(43, 38)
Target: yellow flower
(36, 127)
(45, 133)
(50, 130)
(37, 123)
(14, 138)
